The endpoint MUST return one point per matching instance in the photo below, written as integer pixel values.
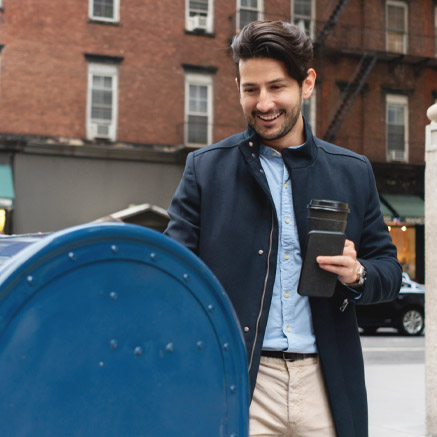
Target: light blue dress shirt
(289, 326)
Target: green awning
(7, 194)
(403, 208)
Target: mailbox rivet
(226, 346)
(169, 347)
(199, 345)
(114, 248)
(233, 435)
(211, 308)
(138, 351)
(233, 388)
(114, 343)
(101, 364)
(113, 295)
(30, 280)
(186, 277)
(72, 256)
(153, 256)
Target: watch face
(363, 276)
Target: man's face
(272, 101)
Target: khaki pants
(290, 400)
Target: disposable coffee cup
(327, 215)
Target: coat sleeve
(184, 210)
(377, 252)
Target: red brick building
(100, 100)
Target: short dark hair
(277, 40)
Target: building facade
(100, 100)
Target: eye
(249, 90)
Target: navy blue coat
(223, 211)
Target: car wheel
(411, 322)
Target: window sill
(108, 23)
(200, 32)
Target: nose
(265, 101)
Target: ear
(308, 84)
(237, 82)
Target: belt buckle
(291, 354)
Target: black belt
(289, 356)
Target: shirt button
(246, 329)
(250, 144)
(286, 294)
(286, 256)
(260, 252)
(286, 185)
(288, 328)
(253, 155)
(287, 220)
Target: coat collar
(300, 157)
(295, 157)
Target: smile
(269, 117)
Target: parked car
(406, 313)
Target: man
(242, 207)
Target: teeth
(269, 117)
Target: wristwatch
(362, 276)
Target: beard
(265, 133)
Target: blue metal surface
(113, 330)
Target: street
(395, 378)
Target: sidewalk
(396, 397)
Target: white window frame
(1, 3)
(114, 19)
(399, 101)
(203, 23)
(404, 6)
(200, 80)
(312, 18)
(260, 11)
(95, 69)
(312, 102)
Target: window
(104, 10)
(199, 15)
(396, 27)
(248, 11)
(198, 109)
(302, 13)
(102, 101)
(309, 111)
(397, 127)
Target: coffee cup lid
(328, 205)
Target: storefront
(7, 197)
(404, 215)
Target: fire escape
(356, 82)
(350, 93)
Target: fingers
(345, 266)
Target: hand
(346, 266)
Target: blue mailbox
(115, 330)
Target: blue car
(406, 313)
